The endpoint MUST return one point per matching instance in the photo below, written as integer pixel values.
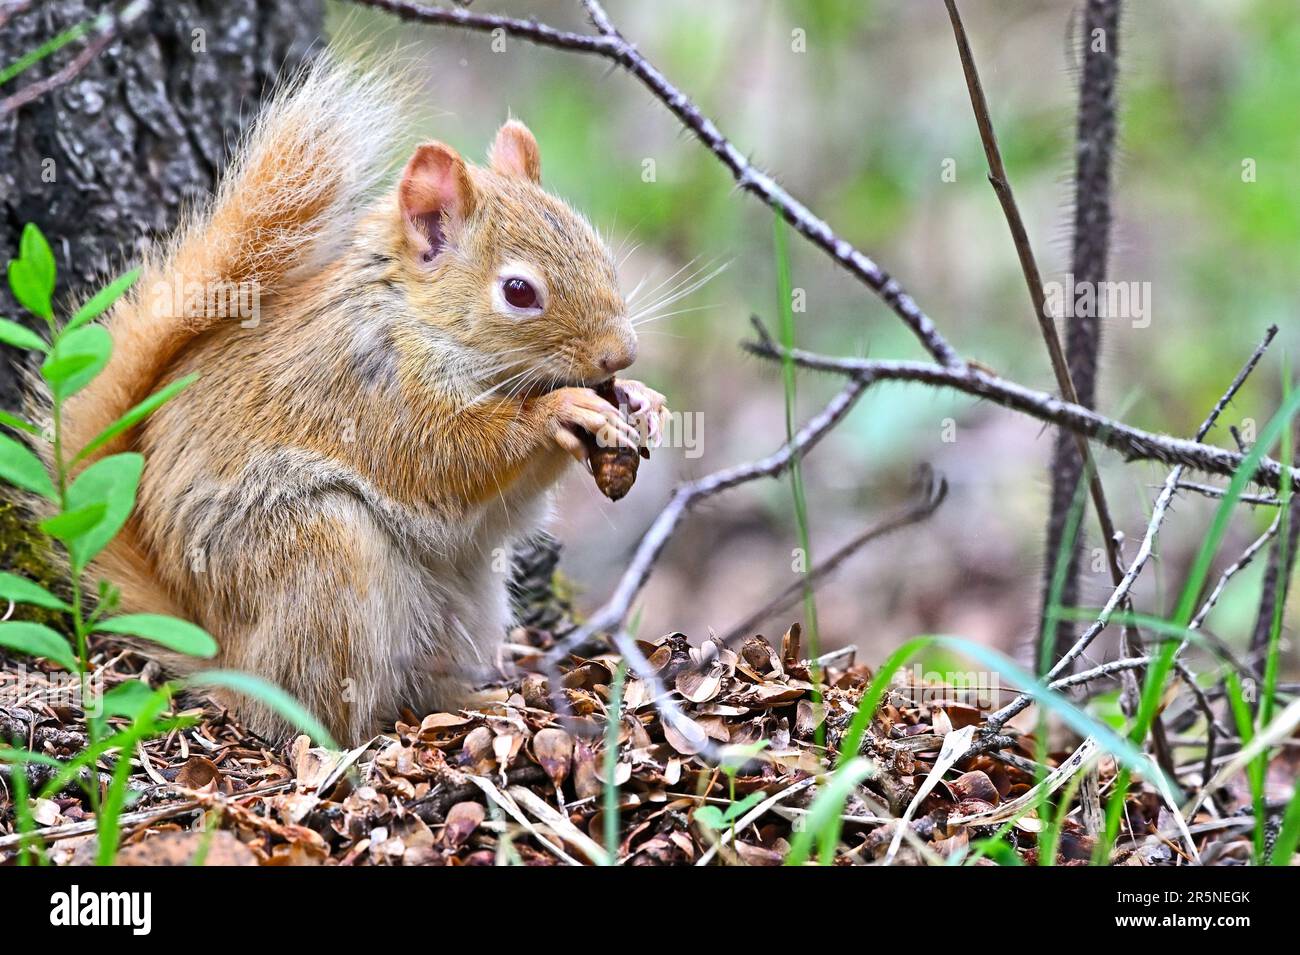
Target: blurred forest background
(858, 123)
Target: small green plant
(91, 504)
(716, 818)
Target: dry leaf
(462, 819)
(553, 749)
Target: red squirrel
(332, 498)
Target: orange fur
(332, 497)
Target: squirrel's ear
(514, 152)
(435, 192)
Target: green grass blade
(613, 724)
(785, 309)
(268, 693)
(48, 48)
(823, 821)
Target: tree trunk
(110, 160)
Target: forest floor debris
(521, 777)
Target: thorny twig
(1238, 565)
(1277, 577)
(1037, 295)
(1209, 490)
(1134, 444)
(1160, 509)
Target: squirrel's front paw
(583, 408)
(647, 410)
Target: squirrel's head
(518, 281)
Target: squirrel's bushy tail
(284, 207)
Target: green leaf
(26, 289)
(10, 420)
(127, 699)
(269, 694)
(20, 467)
(69, 525)
(111, 482)
(77, 358)
(738, 809)
(999, 851)
(31, 275)
(101, 301)
(37, 640)
(35, 251)
(11, 333)
(136, 415)
(170, 632)
(710, 817)
(23, 591)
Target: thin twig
(932, 495)
(1209, 490)
(108, 31)
(1037, 295)
(1212, 728)
(1158, 512)
(1240, 564)
(611, 45)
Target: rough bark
(110, 160)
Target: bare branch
(1099, 672)
(1133, 443)
(1090, 252)
(610, 45)
(1240, 564)
(1209, 490)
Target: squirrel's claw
(647, 410)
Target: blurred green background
(858, 124)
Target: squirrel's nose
(619, 358)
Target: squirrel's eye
(519, 293)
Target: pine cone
(533, 595)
